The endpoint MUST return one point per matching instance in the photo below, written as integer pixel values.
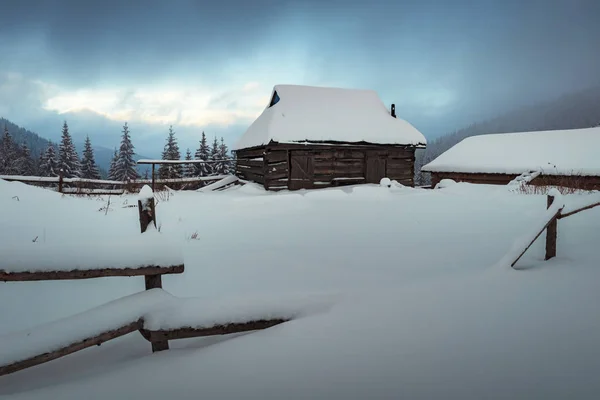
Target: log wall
(576, 182)
(300, 166)
(250, 165)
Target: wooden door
(302, 171)
(375, 168)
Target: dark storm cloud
(446, 63)
(83, 40)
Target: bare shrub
(565, 184)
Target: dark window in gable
(274, 100)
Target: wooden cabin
(316, 137)
(564, 158)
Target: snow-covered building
(562, 157)
(314, 137)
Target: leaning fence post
(551, 233)
(148, 215)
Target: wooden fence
(551, 227)
(104, 187)
(159, 339)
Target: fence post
(60, 181)
(147, 215)
(551, 233)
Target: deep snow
(422, 310)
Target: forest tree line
(16, 158)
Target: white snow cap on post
(323, 114)
(145, 193)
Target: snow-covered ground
(421, 307)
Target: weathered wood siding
(250, 165)
(296, 166)
(277, 169)
(578, 182)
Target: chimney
(393, 110)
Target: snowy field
(420, 309)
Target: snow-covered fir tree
(224, 165)
(8, 154)
(49, 162)
(203, 153)
(170, 152)
(89, 169)
(25, 164)
(126, 165)
(68, 160)
(214, 157)
(112, 169)
(189, 170)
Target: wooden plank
(347, 163)
(250, 163)
(72, 348)
(247, 170)
(87, 273)
(578, 210)
(277, 175)
(187, 332)
(258, 178)
(276, 156)
(340, 174)
(250, 153)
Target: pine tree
(49, 162)
(112, 169)
(89, 169)
(25, 164)
(224, 166)
(170, 152)
(8, 154)
(214, 156)
(189, 170)
(68, 160)
(203, 153)
(126, 165)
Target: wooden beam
(227, 329)
(72, 348)
(28, 276)
(578, 210)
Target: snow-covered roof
(564, 152)
(317, 114)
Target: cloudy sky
(210, 66)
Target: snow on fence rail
(82, 186)
(556, 210)
(156, 314)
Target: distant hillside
(37, 144)
(573, 111)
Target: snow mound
(444, 183)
